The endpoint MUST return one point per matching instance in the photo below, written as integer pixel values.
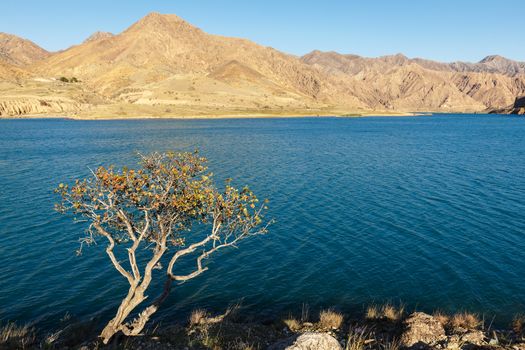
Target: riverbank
(139, 114)
(381, 327)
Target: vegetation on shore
(381, 327)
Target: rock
(494, 342)
(453, 343)
(309, 341)
(422, 331)
(473, 337)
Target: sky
(443, 30)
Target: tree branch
(109, 251)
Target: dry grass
(357, 339)
(465, 320)
(386, 311)
(198, 317)
(392, 313)
(16, 337)
(330, 319)
(203, 317)
(442, 318)
(393, 344)
(518, 324)
(372, 312)
(292, 324)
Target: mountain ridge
(162, 65)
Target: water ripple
(425, 210)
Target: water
(426, 210)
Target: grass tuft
(357, 339)
(372, 312)
(442, 318)
(16, 337)
(198, 317)
(386, 311)
(330, 319)
(465, 320)
(393, 344)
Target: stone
(474, 338)
(422, 331)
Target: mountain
(20, 52)
(164, 66)
(398, 82)
(164, 61)
(159, 47)
(353, 63)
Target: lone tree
(147, 214)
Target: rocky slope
(518, 107)
(164, 66)
(398, 82)
(20, 52)
(163, 60)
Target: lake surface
(427, 210)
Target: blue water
(425, 210)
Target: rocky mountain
(397, 82)
(164, 61)
(20, 52)
(164, 66)
(354, 63)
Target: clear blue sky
(444, 30)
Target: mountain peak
(155, 22)
(494, 58)
(19, 51)
(156, 18)
(98, 36)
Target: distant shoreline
(222, 116)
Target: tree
(64, 79)
(168, 208)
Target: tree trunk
(133, 299)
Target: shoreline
(223, 116)
(376, 327)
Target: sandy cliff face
(16, 106)
(163, 66)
